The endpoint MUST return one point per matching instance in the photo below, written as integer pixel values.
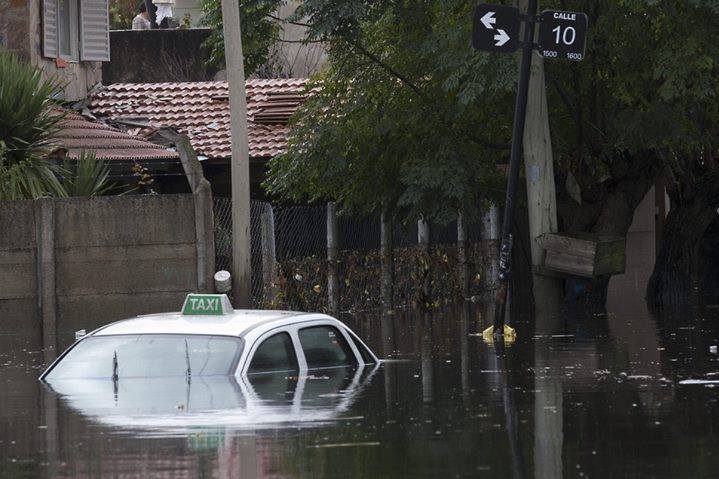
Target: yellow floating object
(510, 335)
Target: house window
(76, 30)
(67, 34)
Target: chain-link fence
(289, 258)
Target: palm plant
(86, 176)
(28, 122)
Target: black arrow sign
(496, 28)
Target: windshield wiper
(114, 367)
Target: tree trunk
(670, 285)
(610, 212)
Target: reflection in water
(426, 358)
(178, 404)
(510, 411)
(599, 397)
(548, 414)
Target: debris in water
(345, 444)
(689, 382)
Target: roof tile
(201, 110)
(78, 134)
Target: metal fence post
(425, 262)
(332, 243)
(423, 233)
(387, 284)
(490, 239)
(269, 254)
(462, 259)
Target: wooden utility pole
(541, 192)
(240, 166)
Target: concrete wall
(20, 32)
(157, 56)
(19, 312)
(69, 264)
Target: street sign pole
(520, 114)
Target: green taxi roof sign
(206, 305)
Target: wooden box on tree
(582, 254)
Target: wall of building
(79, 263)
(157, 56)
(14, 26)
(294, 59)
(20, 32)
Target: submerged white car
(209, 338)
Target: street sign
(496, 28)
(562, 34)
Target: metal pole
(520, 113)
(240, 166)
(332, 243)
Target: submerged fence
(290, 248)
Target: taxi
(209, 338)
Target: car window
(276, 353)
(325, 347)
(148, 356)
(364, 352)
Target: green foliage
(649, 80)
(259, 31)
(403, 117)
(28, 123)
(409, 117)
(86, 176)
(122, 12)
(27, 120)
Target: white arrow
(501, 38)
(488, 20)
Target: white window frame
(81, 14)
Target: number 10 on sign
(562, 34)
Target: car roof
(235, 324)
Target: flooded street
(604, 396)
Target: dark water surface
(598, 396)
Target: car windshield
(149, 355)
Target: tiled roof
(202, 111)
(77, 134)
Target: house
(202, 111)
(68, 39)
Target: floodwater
(620, 394)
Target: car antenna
(187, 360)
